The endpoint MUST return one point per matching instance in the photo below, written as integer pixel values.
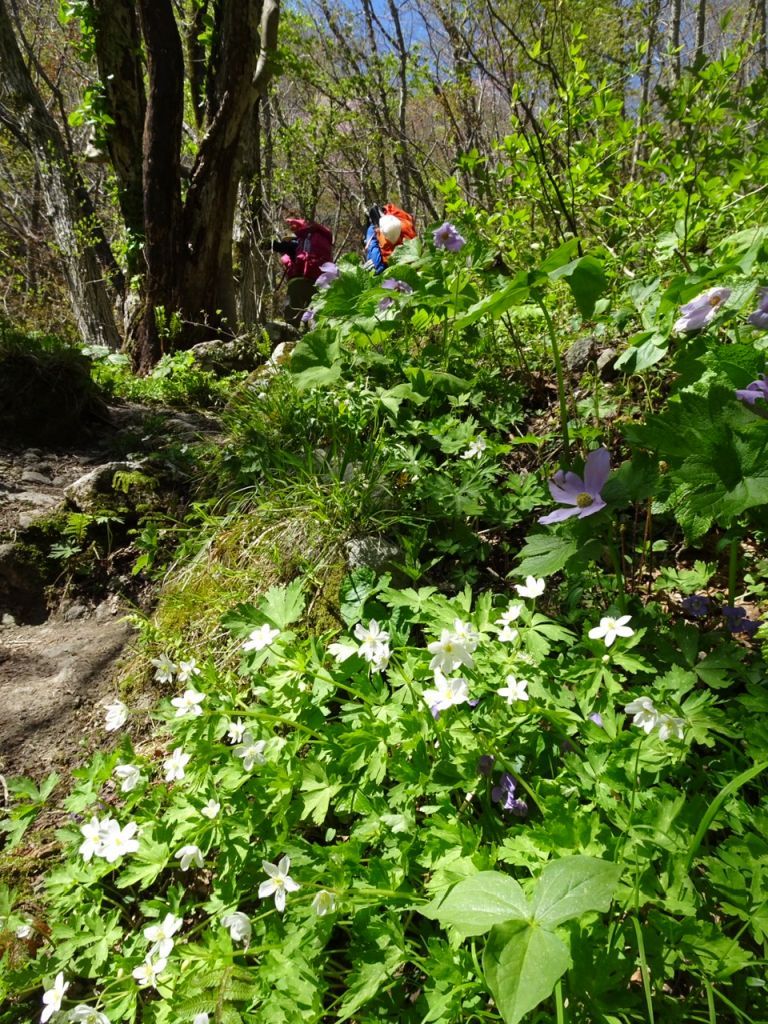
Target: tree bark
(67, 206)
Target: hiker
(387, 228)
(302, 257)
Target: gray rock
(21, 587)
(226, 356)
(579, 355)
(88, 492)
(606, 364)
(31, 476)
(376, 553)
(74, 612)
(278, 330)
(36, 498)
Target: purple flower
(447, 237)
(394, 285)
(696, 605)
(329, 273)
(308, 316)
(584, 495)
(758, 389)
(485, 764)
(597, 718)
(699, 311)
(736, 620)
(504, 794)
(760, 317)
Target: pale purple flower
(308, 316)
(328, 274)
(597, 718)
(758, 389)
(447, 237)
(760, 316)
(504, 794)
(583, 495)
(393, 285)
(699, 311)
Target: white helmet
(391, 228)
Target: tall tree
(80, 244)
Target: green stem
(733, 569)
(613, 547)
(566, 459)
(559, 1005)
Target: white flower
(129, 777)
(189, 703)
(25, 931)
(508, 634)
(236, 731)
(161, 936)
(116, 717)
(146, 974)
(646, 717)
(448, 653)
(671, 727)
(189, 855)
(279, 882)
(466, 634)
(610, 628)
(175, 764)
(447, 692)
(239, 926)
(512, 614)
(203, 1018)
(165, 669)
(324, 903)
(94, 837)
(475, 449)
(251, 751)
(118, 841)
(187, 669)
(83, 1014)
(211, 809)
(374, 644)
(532, 588)
(52, 997)
(516, 689)
(261, 638)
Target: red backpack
(315, 248)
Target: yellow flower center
(584, 500)
(715, 300)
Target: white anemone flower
(94, 838)
(516, 689)
(532, 588)
(466, 634)
(374, 643)
(175, 764)
(211, 809)
(187, 670)
(475, 449)
(236, 731)
(189, 855)
(117, 842)
(128, 775)
(251, 751)
(201, 1018)
(161, 935)
(239, 926)
(324, 903)
(646, 717)
(512, 614)
(279, 882)
(261, 637)
(610, 628)
(189, 703)
(508, 634)
(84, 1014)
(165, 669)
(146, 974)
(342, 651)
(116, 717)
(52, 997)
(671, 727)
(447, 692)
(448, 653)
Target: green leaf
(586, 277)
(284, 605)
(315, 360)
(521, 963)
(545, 554)
(478, 903)
(512, 294)
(354, 592)
(572, 886)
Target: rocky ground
(62, 638)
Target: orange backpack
(408, 230)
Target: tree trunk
(67, 207)
(674, 38)
(701, 26)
